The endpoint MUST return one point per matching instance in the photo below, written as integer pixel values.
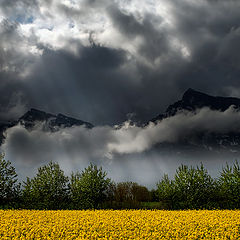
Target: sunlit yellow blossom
(122, 224)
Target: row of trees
(191, 188)
(194, 188)
(51, 189)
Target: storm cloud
(102, 61)
(112, 62)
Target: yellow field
(125, 224)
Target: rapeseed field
(120, 224)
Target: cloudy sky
(107, 61)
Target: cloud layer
(113, 147)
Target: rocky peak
(62, 120)
(51, 121)
(192, 100)
(36, 115)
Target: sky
(106, 62)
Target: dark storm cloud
(103, 83)
(210, 30)
(90, 86)
(12, 63)
(155, 42)
(105, 61)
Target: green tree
(89, 188)
(190, 188)
(48, 189)
(166, 192)
(229, 186)
(9, 188)
(194, 187)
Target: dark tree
(130, 195)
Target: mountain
(48, 121)
(51, 121)
(190, 102)
(193, 100)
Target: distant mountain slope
(54, 122)
(193, 100)
(49, 121)
(190, 102)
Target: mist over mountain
(193, 100)
(48, 121)
(197, 128)
(195, 107)
(52, 122)
(112, 68)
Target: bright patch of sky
(55, 24)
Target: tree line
(190, 188)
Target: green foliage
(47, 190)
(89, 188)
(229, 186)
(194, 187)
(191, 188)
(9, 188)
(166, 191)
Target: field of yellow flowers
(119, 224)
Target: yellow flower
(120, 224)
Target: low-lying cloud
(112, 146)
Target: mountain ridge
(51, 122)
(193, 100)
